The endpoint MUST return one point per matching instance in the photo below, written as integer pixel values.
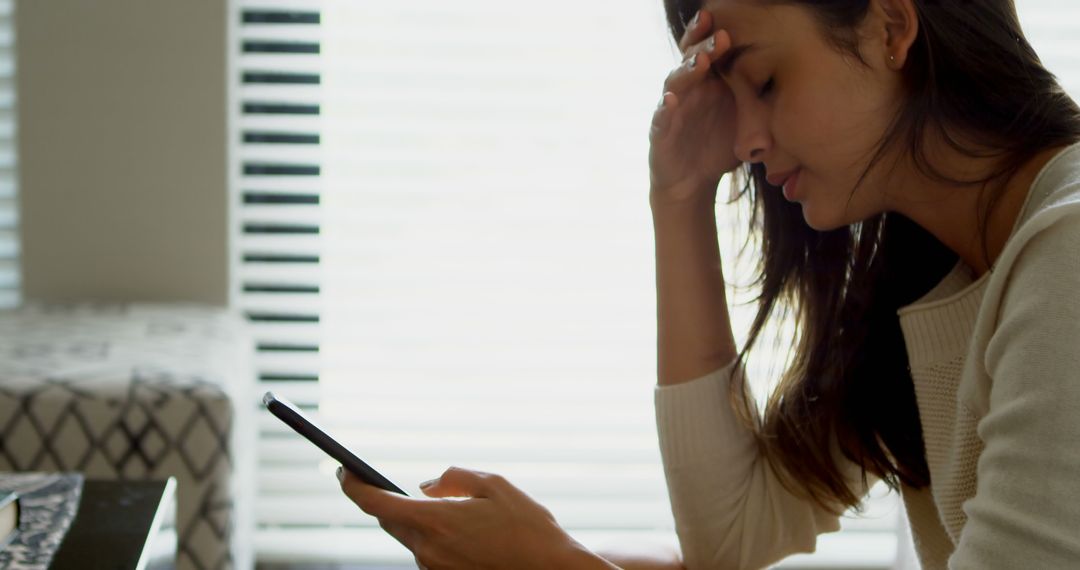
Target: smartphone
(294, 418)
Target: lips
(791, 186)
(779, 180)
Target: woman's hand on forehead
(692, 133)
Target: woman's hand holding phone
(692, 136)
(492, 525)
(496, 525)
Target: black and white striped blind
(10, 282)
(443, 244)
(276, 196)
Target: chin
(822, 221)
(829, 218)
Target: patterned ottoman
(139, 391)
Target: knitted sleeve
(730, 509)
(1026, 508)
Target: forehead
(739, 16)
(763, 21)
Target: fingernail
(712, 44)
(427, 484)
(690, 63)
(694, 20)
(660, 105)
(340, 474)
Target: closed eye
(766, 88)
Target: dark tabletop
(112, 525)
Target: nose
(752, 137)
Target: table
(121, 525)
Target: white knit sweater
(996, 368)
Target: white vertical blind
(444, 244)
(10, 281)
(276, 128)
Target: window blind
(276, 196)
(444, 247)
(10, 282)
(1051, 26)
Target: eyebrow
(731, 57)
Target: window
(444, 243)
(1051, 26)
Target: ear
(897, 22)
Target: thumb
(459, 482)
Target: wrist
(689, 196)
(577, 557)
(690, 211)
(690, 217)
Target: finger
(401, 517)
(714, 45)
(408, 537)
(379, 503)
(683, 76)
(698, 27)
(460, 482)
(698, 61)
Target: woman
(915, 177)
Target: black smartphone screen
(294, 418)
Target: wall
(122, 148)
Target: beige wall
(122, 149)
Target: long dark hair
(970, 75)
